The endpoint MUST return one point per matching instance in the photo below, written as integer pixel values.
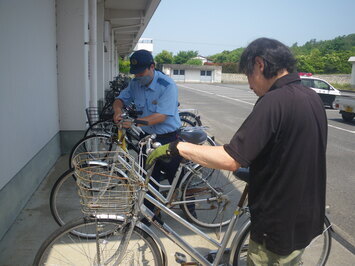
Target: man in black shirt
(283, 141)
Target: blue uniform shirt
(161, 96)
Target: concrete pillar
(93, 52)
(72, 54)
(352, 79)
(100, 50)
(107, 55)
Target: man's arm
(117, 108)
(154, 119)
(209, 156)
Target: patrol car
(326, 91)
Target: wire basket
(107, 182)
(92, 115)
(95, 114)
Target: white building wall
(73, 81)
(192, 75)
(28, 82)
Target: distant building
(193, 73)
(144, 43)
(203, 59)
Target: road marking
(343, 129)
(219, 95)
(237, 100)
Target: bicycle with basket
(112, 188)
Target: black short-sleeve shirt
(283, 141)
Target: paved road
(223, 107)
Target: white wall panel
(28, 82)
(73, 82)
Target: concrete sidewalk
(35, 224)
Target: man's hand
(162, 152)
(117, 115)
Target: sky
(212, 26)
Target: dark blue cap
(140, 60)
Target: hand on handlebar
(117, 116)
(164, 152)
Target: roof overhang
(128, 19)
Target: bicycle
(117, 236)
(188, 117)
(193, 184)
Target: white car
(326, 91)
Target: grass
(343, 86)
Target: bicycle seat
(242, 174)
(193, 135)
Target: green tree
(192, 61)
(317, 61)
(303, 64)
(123, 65)
(164, 57)
(183, 56)
(228, 56)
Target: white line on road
(219, 95)
(350, 131)
(237, 100)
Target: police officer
(156, 95)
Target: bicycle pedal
(180, 258)
(225, 257)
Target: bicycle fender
(147, 230)
(236, 239)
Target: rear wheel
(64, 200)
(210, 197)
(316, 253)
(190, 119)
(100, 128)
(64, 248)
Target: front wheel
(316, 253)
(64, 248)
(91, 145)
(209, 197)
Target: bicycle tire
(99, 128)
(64, 201)
(316, 253)
(64, 248)
(194, 119)
(92, 144)
(209, 200)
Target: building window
(206, 73)
(179, 72)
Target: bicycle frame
(189, 166)
(172, 235)
(141, 209)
